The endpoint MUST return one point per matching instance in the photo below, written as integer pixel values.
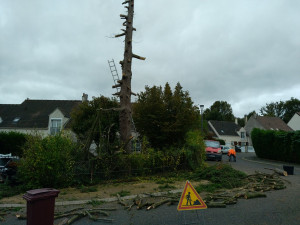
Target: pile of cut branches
(256, 185)
(150, 201)
(73, 215)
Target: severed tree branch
(138, 57)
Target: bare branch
(125, 2)
(112, 109)
(133, 93)
(117, 94)
(119, 35)
(138, 57)
(116, 86)
(123, 16)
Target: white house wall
(228, 139)
(294, 123)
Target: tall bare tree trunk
(125, 82)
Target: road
(279, 208)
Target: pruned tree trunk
(125, 83)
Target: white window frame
(55, 129)
(243, 136)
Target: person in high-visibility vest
(232, 155)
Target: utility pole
(125, 83)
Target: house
(228, 131)
(294, 123)
(265, 123)
(45, 117)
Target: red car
(213, 150)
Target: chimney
(246, 119)
(84, 97)
(236, 121)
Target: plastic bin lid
(42, 193)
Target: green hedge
(12, 142)
(277, 145)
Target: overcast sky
(245, 52)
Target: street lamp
(201, 111)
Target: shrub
(47, 162)
(221, 175)
(194, 149)
(277, 145)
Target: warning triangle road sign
(190, 199)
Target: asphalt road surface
(279, 208)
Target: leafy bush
(12, 142)
(194, 149)
(47, 162)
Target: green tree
(165, 117)
(284, 110)
(220, 110)
(273, 109)
(291, 107)
(96, 121)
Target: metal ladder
(114, 72)
(115, 76)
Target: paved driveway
(279, 208)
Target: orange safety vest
(231, 152)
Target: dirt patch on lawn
(107, 191)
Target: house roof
(273, 123)
(298, 113)
(33, 113)
(225, 127)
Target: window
(16, 120)
(55, 126)
(242, 134)
(1, 120)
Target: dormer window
(55, 126)
(242, 134)
(16, 120)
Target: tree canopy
(284, 110)
(220, 110)
(165, 116)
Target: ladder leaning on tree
(115, 76)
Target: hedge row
(277, 145)
(12, 142)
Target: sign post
(190, 200)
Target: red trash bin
(40, 206)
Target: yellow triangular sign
(190, 199)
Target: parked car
(250, 149)
(8, 167)
(213, 150)
(225, 149)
